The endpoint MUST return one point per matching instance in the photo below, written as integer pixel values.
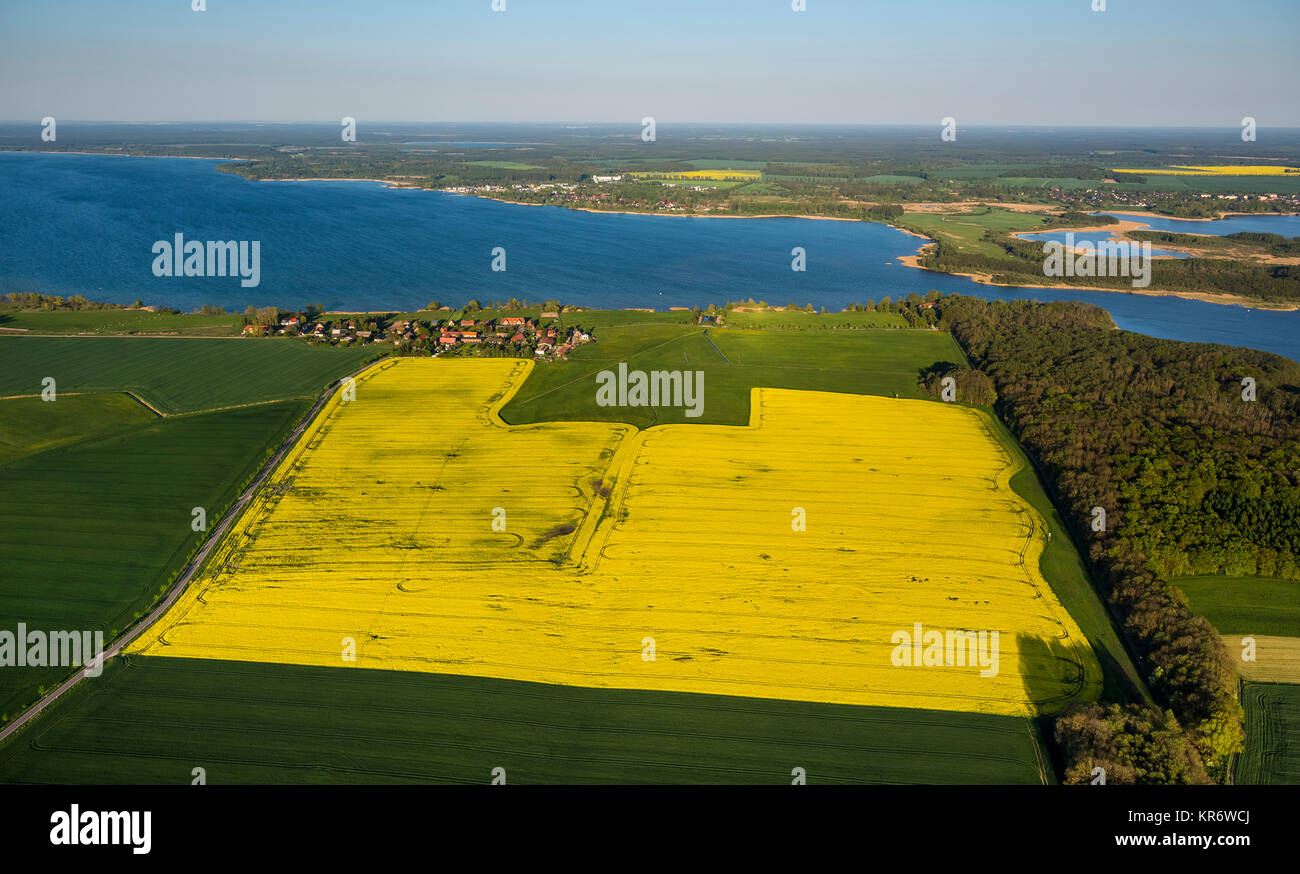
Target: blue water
(85, 224)
(1286, 225)
(1082, 237)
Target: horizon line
(637, 125)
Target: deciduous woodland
(1193, 476)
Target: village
(505, 336)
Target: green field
(30, 425)
(176, 375)
(1245, 605)
(712, 164)
(719, 184)
(92, 532)
(504, 165)
(1272, 752)
(733, 361)
(793, 320)
(153, 720)
(97, 490)
(118, 322)
(965, 231)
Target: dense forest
(1267, 244)
(1196, 469)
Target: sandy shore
(1221, 216)
(1118, 230)
(931, 208)
(386, 182)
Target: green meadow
(97, 490)
(733, 361)
(965, 231)
(246, 722)
(176, 375)
(1245, 605)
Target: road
(188, 574)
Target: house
(255, 330)
(334, 332)
(554, 315)
(471, 339)
(517, 338)
(513, 320)
(545, 341)
(467, 323)
(447, 340)
(291, 322)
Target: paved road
(181, 584)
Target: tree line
(1195, 473)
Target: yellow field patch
(1276, 659)
(706, 175)
(667, 559)
(1187, 170)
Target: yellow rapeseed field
(779, 560)
(1186, 170)
(707, 175)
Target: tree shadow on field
(1051, 670)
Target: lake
(1286, 225)
(86, 224)
(1081, 238)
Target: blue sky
(1051, 62)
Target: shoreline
(119, 155)
(1222, 299)
(387, 183)
(1221, 216)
